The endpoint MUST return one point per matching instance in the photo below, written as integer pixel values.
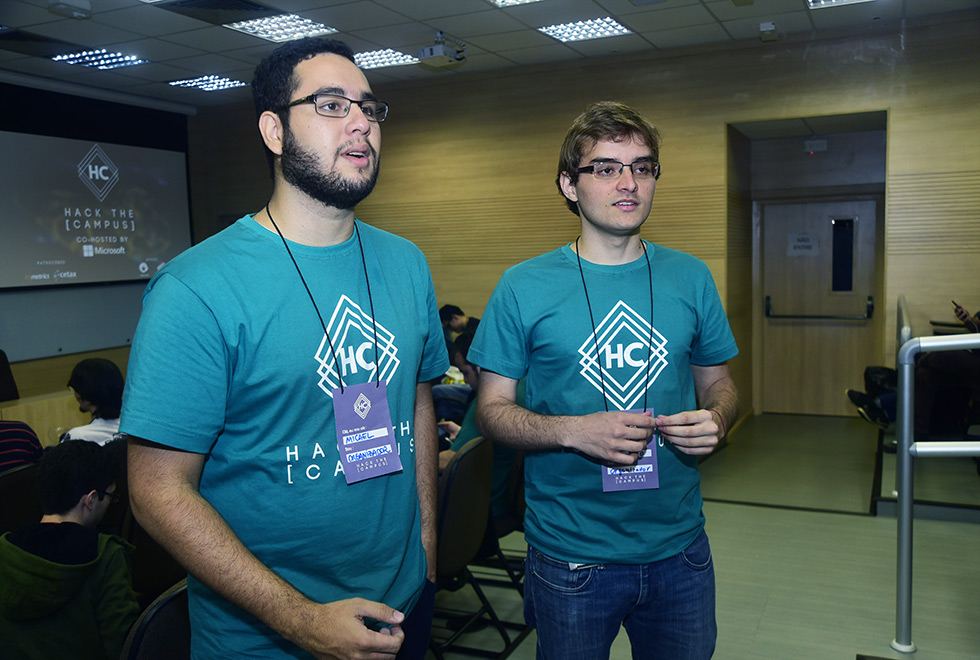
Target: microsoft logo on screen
(88, 250)
(98, 172)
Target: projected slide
(79, 212)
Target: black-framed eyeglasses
(113, 497)
(338, 107)
(607, 170)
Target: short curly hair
(605, 120)
(274, 81)
(100, 382)
(70, 470)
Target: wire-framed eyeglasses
(338, 107)
(113, 497)
(607, 170)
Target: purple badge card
(365, 435)
(642, 476)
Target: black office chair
(8, 388)
(491, 555)
(163, 630)
(154, 569)
(21, 502)
(463, 508)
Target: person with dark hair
(282, 437)
(98, 386)
(19, 444)
(454, 320)
(65, 589)
(624, 346)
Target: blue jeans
(667, 607)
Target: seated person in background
(935, 372)
(98, 386)
(453, 320)
(18, 445)
(503, 456)
(65, 589)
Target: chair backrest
(20, 502)
(153, 568)
(163, 630)
(463, 506)
(8, 388)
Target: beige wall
(468, 161)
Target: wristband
(724, 428)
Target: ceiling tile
(155, 23)
(627, 43)
(86, 33)
(669, 19)
(354, 16)
(697, 35)
(748, 28)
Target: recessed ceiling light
(209, 83)
(512, 3)
(376, 59)
(284, 27)
(100, 59)
(820, 4)
(595, 28)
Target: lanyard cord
(374, 323)
(595, 338)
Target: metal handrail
(868, 312)
(905, 452)
(904, 325)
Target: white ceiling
(179, 47)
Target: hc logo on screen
(351, 332)
(623, 340)
(98, 172)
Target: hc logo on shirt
(624, 344)
(351, 332)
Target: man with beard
(282, 437)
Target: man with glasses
(282, 438)
(624, 346)
(66, 589)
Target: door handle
(868, 312)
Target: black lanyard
(374, 322)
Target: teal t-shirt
(230, 360)
(537, 324)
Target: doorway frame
(811, 196)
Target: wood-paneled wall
(469, 161)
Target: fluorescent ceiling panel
(595, 28)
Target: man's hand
(450, 427)
(619, 438)
(694, 432)
(336, 631)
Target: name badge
(642, 476)
(365, 435)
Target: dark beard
(301, 168)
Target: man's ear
(271, 130)
(567, 187)
(89, 499)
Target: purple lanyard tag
(642, 476)
(365, 435)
